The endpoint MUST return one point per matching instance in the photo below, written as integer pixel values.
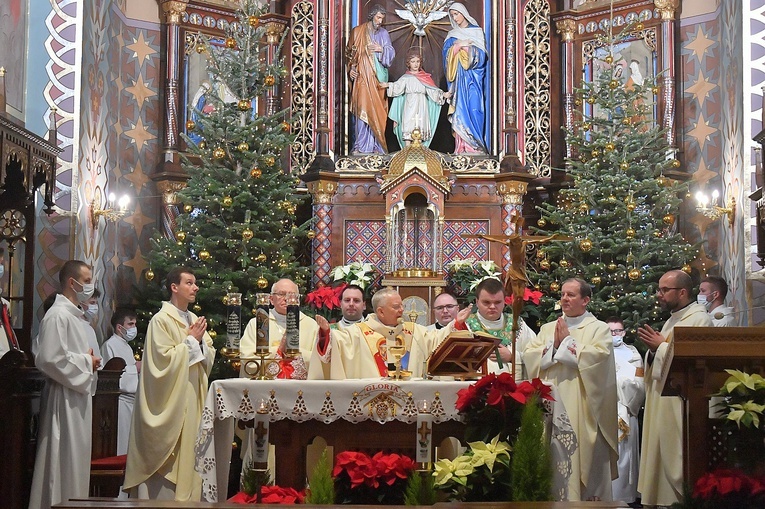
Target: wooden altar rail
(103, 503)
(701, 356)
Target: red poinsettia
(722, 483)
(325, 297)
(528, 295)
(379, 479)
(270, 495)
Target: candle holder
(262, 301)
(258, 368)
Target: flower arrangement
(463, 276)
(360, 274)
(326, 300)
(492, 406)
(270, 494)
(380, 479)
(531, 313)
(481, 474)
(726, 489)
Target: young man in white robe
(491, 319)
(712, 293)
(661, 454)
(360, 351)
(125, 330)
(631, 390)
(576, 353)
(352, 307)
(445, 309)
(64, 441)
(177, 360)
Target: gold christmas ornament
(634, 274)
(243, 147)
(675, 163)
(541, 222)
(595, 153)
(624, 166)
(613, 84)
(544, 264)
(180, 235)
(225, 300)
(212, 334)
(657, 233)
(591, 99)
(255, 173)
(261, 282)
(586, 126)
(639, 26)
(197, 308)
(596, 280)
(578, 101)
(686, 268)
(612, 266)
(204, 255)
(661, 181)
(269, 80)
(583, 208)
(243, 105)
(190, 125)
(201, 48)
(310, 234)
(227, 201)
(668, 219)
(612, 198)
(631, 205)
(219, 153)
(247, 234)
(540, 254)
(627, 121)
(610, 146)
(261, 258)
(202, 145)
(283, 264)
(554, 286)
(585, 245)
(285, 127)
(230, 42)
(655, 90)
(609, 59)
(564, 263)
(149, 275)
(187, 208)
(254, 21)
(537, 288)
(270, 160)
(630, 233)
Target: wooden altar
(701, 356)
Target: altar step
(109, 503)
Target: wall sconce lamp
(115, 209)
(713, 211)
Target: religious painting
(635, 59)
(13, 50)
(430, 71)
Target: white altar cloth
(326, 401)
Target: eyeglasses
(616, 331)
(284, 295)
(445, 306)
(664, 289)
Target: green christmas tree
(621, 208)
(236, 227)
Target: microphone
(720, 315)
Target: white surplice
(117, 346)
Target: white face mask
(2, 270)
(130, 333)
(702, 299)
(91, 311)
(618, 340)
(87, 291)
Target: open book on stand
(462, 354)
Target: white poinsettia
(488, 267)
(355, 273)
(477, 281)
(457, 265)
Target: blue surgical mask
(130, 333)
(702, 299)
(87, 291)
(91, 311)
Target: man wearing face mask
(62, 465)
(123, 323)
(90, 314)
(631, 391)
(712, 293)
(576, 353)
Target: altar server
(661, 454)
(364, 349)
(62, 465)
(178, 357)
(575, 352)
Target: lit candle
(261, 319)
(260, 454)
(293, 324)
(424, 445)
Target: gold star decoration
(701, 89)
(141, 49)
(140, 91)
(701, 132)
(703, 175)
(138, 219)
(700, 44)
(137, 177)
(139, 134)
(138, 263)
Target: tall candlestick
(262, 421)
(293, 324)
(234, 320)
(261, 315)
(424, 447)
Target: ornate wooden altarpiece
(533, 49)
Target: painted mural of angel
(420, 13)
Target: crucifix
(424, 431)
(516, 279)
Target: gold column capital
(667, 8)
(169, 188)
(322, 190)
(567, 28)
(275, 25)
(173, 10)
(511, 187)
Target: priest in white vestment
(361, 351)
(445, 309)
(575, 352)
(277, 327)
(125, 330)
(491, 319)
(661, 452)
(352, 307)
(631, 390)
(62, 464)
(178, 357)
